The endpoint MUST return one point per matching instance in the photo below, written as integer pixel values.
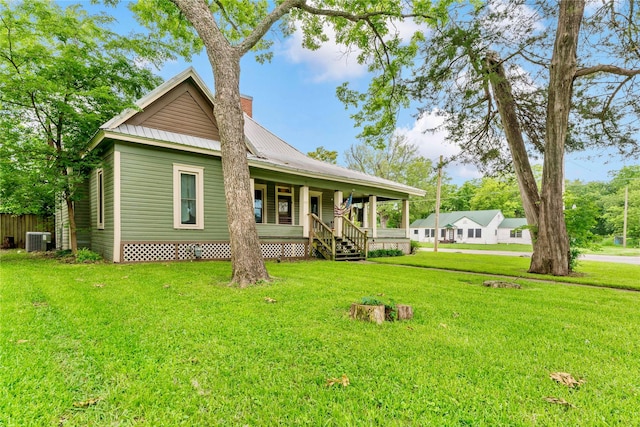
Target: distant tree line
(594, 211)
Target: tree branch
(199, 15)
(226, 16)
(355, 17)
(261, 29)
(603, 68)
(607, 104)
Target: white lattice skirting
(137, 251)
(405, 247)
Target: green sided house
(159, 194)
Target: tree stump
(405, 312)
(369, 313)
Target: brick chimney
(246, 102)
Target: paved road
(587, 257)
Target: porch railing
(355, 235)
(322, 238)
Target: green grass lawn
(509, 247)
(613, 275)
(614, 250)
(168, 344)
(516, 247)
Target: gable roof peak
(156, 93)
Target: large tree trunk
(246, 254)
(503, 95)
(551, 255)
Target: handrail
(353, 233)
(324, 235)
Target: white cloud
(517, 18)
(331, 62)
(432, 145)
(406, 28)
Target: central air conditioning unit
(37, 241)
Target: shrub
(574, 254)
(379, 253)
(414, 246)
(63, 253)
(85, 255)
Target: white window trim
(293, 205)
(178, 169)
(100, 198)
(317, 194)
(263, 188)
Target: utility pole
(626, 209)
(437, 236)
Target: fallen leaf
(87, 403)
(455, 315)
(270, 300)
(410, 328)
(380, 294)
(21, 341)
(40, 304)
(558, 401)
(566, 379)
(167, 286)
(443, 325)
(99, 285)
(333, 381)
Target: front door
(315, 205)
(284, 209)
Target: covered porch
(336, 224)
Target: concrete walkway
(635, 260)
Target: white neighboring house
(481, 227)
(511, 230)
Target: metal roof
(161, 135)
(272, 150)
(482, 218)
(513, 223)
(264, 149)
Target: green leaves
(325, 155)
(63, 73)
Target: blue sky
(294, 97)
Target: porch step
(345, 251)
(349, 257)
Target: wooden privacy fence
(16, 226)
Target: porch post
(337, 220)
(365, 214)
(304, 210)
(405, 217)
(373, 209)
(253, 190)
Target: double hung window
(260, 203)
(188, 197)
